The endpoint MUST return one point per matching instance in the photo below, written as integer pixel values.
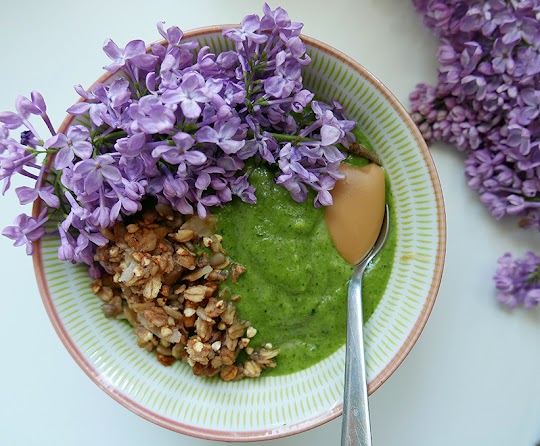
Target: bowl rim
(280, 432)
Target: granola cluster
(164, 278)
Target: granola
(163, 277)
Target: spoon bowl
(356, 430)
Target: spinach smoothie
(295, 288)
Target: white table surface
(471, 380)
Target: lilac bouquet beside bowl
(487, 104)
(177, 123)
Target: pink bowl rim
(280, 432)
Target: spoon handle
(356, 430)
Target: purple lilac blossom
(486, 103)
(487, 97)
(178, 123)
(27, 230)
(518, 280)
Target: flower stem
(280, 137)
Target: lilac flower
(174, 35)
(90, 105)
(180, 153)
(189, 94)
(531, 109)
(241, 188)
(86, 242)
(206, 63)
(27, 230)
(323, 197)
(278, 87)
(113, 96)
(301, 100)
(204, 202)
(35, 106)
(503, 60)
(134, 52)
(279, 19)
(46, 193)
(264, 146)
(66, 250)
(470, 57)
(476, 19)
(150, 116)
(131, 147)
(74, 143)
(13, 159)
(247, 32)
(175, 191)
(222, 135)
(518, 280)
(97, 171)
(129, 197)
(516, 30)
(520, 138)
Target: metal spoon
(356, 430)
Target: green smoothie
(295, 288)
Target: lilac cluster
(487, 99)
(177, 123)
(487, 104)
(518, 280)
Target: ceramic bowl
(274, 406)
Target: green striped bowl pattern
(272, 407)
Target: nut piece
(165, 360)
(184, 235)
(252, 369)
(228, 373)
(236, 271)
(196, 293)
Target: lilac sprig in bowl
(177, 121)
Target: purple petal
(159, 151)
(83, 149)
(191, 109)
(333, 154)
(145, 61)
(329, 135)
(47, 194)
(79, 108)
(63, 158)
(57, 141)
(84, 167)
(203, 181)
(195, 158)
(111, 173)
(26, 194)
(134, 48)
(11, 120)
(112, 50)
(93, 181)
(324, 198)
(183, 141)
(97, 238)
(207, 134)
(231, 146)
(38, 100)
